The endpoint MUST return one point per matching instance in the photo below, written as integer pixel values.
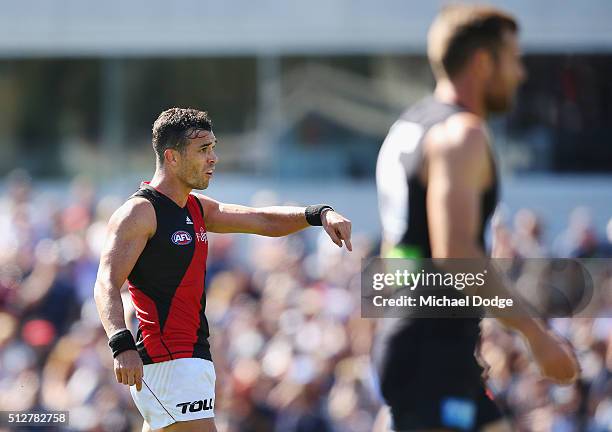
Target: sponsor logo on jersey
(200, 405)
(188, 221)
(201, 236)
(181, 238)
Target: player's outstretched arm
(274, 221)
(457, 155)
(128, 231)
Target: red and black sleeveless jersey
(167, 282)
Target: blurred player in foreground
(437, 185)
(157, 240)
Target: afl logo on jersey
(181, 238)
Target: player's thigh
(498, 426)
(200, 425)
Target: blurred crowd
(533, 403)
(291, 351)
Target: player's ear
(170, 157)
(483, 63)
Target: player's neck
(462, 91)
(170, 186)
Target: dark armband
(122, 341)
(314, 212)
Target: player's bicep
(453, 197)
(453, 210)
(128, 232)
(229, 218)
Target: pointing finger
(347, 242)
(345, 234)
(334, 237)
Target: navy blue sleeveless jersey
(410, 351)
(167, 282)
(402, 195)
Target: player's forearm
(110, 307)
(527, 326)
(468, 257)
(280, 221)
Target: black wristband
(313, 213)
(122, 341)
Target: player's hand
(128, 369)
(338, 228)
(554, 357)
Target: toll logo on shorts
(181, 238)
(200, 405)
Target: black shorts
(430, 378)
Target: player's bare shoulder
(129, 230)
(209, 206)
(136, 217)
(462, 138)
(205, 200)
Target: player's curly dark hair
(174, 126)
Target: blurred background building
(301, 95)
(297, 91)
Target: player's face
(197, 163)
(508, 74)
